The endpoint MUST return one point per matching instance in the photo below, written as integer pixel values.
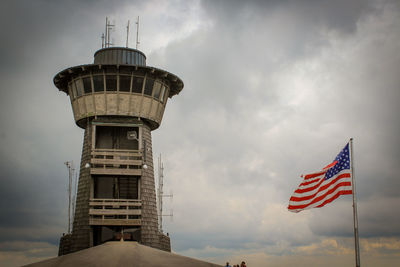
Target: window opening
(79, 87)
(111, 82)
(87, 85)
(124, 70)
(124, 83)
(108, 137)
(157, 90)
(111, 69)
(98, 83)
(116, 187)
(148, 88)
(102, 234)
(137, 85)
(97, 71)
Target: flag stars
(343, 163)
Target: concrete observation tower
(118, 101)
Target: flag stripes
(318, 195)
(320, 188)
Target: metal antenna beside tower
(160, 194)
(71, 171)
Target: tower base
(67, 240)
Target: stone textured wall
(81, 228)
(65, 244)
(80, 238)
(150, 236)
(165, 242)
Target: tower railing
(116, 162)
(117, 212)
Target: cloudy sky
(273, 89)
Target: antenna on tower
(107, 37)
(105, 33)
(127, 34)
(137, 33)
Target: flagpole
(356, 239)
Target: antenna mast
(107, 37)
(127, 34)
(106, 40)
(137, 33)
(71, 170)
(105, 33)
(160, 193)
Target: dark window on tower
(111, 69)
(111, 82)
(97, 71)
(87, 85)
(125, 70)
(79, 87)
(124, 57)
(108, 137)
(103, 187)
(157, 90)
(98, 83)
(126, 137)
(104, 137)
(102, 234)
(116, 187)
(137, 85)
(124, 83)
(128, 187)
(84, 72)
(148, 88)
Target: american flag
(323, 187)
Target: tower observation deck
(118, 100)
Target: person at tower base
(227, 264)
